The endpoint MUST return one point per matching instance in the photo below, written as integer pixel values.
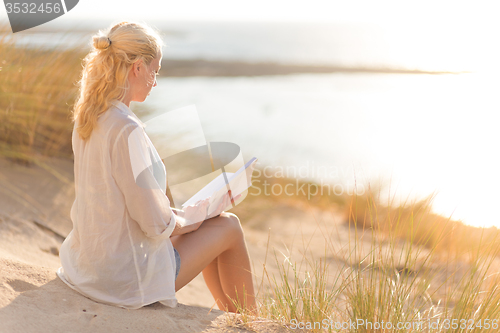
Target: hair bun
(101, 42)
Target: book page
(238, 182)
(208, 190)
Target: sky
(472, 25)
(329, 10)
(421, 12)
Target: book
(238, 182)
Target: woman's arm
(145, 201)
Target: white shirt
(119, 251)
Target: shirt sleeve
(133, 170)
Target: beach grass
(409, 220)
(37, 92)
(402, 275)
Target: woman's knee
(233, 224)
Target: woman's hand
(197, 212)
(191, 218)
(225, 202)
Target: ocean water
(418, 134)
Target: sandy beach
(34, 219)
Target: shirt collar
(125, 109)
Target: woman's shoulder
(115, 121)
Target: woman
(128, 247)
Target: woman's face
(146, 79)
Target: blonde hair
(106, 68)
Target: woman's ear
(137, 67)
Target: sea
(411, 135)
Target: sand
(34, 219)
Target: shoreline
(230, 68)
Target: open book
(237, 182)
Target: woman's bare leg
(218, 250)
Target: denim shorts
(177, 263)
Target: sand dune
(34, 218)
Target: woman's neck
(126, 100)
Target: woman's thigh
(199, 248)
